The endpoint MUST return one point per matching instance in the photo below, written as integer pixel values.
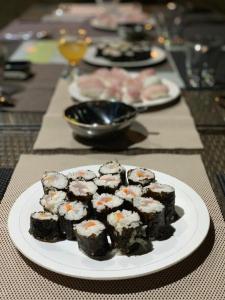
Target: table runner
(200, 276)
(170, 128)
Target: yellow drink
(73, 50)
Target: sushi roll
(54, 181)
(113, 167)
(44, 226)
(92, 238)
(108, 183)
(71, 213)
(104, 204)
(128, 193)
(85, 175)
(152, 214)
(127, 232)
(52, 200)
(140, 176)
(166, 195)
(81, 191)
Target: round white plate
(174, 93)
(96, 24)
(91, 58)
(65, 258)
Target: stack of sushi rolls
(71, 213)
(140, 176)
(113, 168)
(152, 214)
(127, 232)
(92, 238)
(52, 200)
(104, 204)
(112, 210)
(81, 190)
(124, 51)
(128, 194)
(54, 181)
(44, 226)
(108, 183)
(166, 195)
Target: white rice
(83, 230)
(82, 188)
(130, 220)
(111, 167)
(111, 181)
(54, 180)
(52, 200)
(139, 174)
(42, 215)
(129, 192)
(148, 205)
(159, 188)
(73, 210)
(100, 202)
(85, 174)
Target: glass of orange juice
(73, 48)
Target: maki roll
(54, 181)
(85, 175)
(104, 204)
(128, 193)
(128, 233)
(71, 213)
(113, 168)
(52, 200)
(92, 238)
(152, 214)
(140, 176)
(166, 195)
(108, 183)
(44, 226)
(81, 191)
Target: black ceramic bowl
(94, 119)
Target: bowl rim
(134, 113)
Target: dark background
(11, 9)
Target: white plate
(174, 93)
(65, 258)
(96, 24)
(91, 58)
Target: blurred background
(11, 9)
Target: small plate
(91, 58)
(174, 93)
(65, 257)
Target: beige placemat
(169, 128)
(200, 276)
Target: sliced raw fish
(154, 92)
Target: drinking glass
(201, 63)
(73, 48)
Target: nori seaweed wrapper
(45, 230)
(94, 246)
(167, 199)
(132, 241)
